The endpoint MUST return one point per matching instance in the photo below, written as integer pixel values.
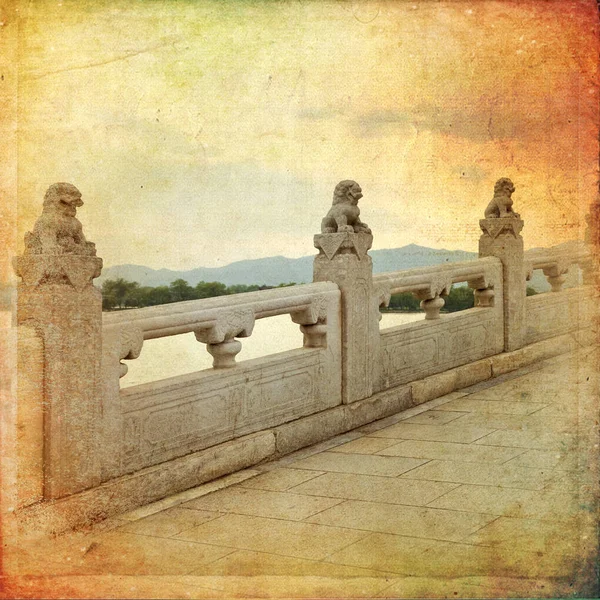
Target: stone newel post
(57, 299)
(343, 259)
(501, 237)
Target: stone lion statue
(344, 212)
(501, 204)
(58, 230)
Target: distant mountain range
(279, 269)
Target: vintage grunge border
(17, 206)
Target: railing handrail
(568, 253)
(194, 315)
(421, 278)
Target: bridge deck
(487, 492)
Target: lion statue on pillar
(58, 231)
(501, 204)
(344, 213)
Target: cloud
(480, 120)
(228, 143)
(378, 123)
(319, 113)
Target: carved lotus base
(66, 269)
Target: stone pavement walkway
(487, 492)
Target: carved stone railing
(432, 284)
(556, 261)
(86, 431)
(151, 423)
(564, 309)
(217, 322)
(421, 348)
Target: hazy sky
(203, 132)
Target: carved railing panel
(218, 322)
(432, 284)
(419, 349)
(171, 417)
(555, 262)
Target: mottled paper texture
(202, 132)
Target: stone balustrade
(556, 261)
(151, 423)
(217, 321)
(421, 349)
(94, 449)
(431, 283)
(558, 312)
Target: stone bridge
(417, 456)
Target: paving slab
(371, 488)
(490, 492)
(275, 536)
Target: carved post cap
(342, 231)
(495, 227)
(500, 207)
(56, 251)
(76, 271)
(333, 244)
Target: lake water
(181, 354)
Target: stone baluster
(484, 297)
(432, 299)
(313, 323)
(483, 292)
(219, 338)
(224, 353)
(57, 298)
(501, 237)
(343, 258)
(132, 340)
(432, 307)
(555, 275)
(315, 336)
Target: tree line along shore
(120, 294)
